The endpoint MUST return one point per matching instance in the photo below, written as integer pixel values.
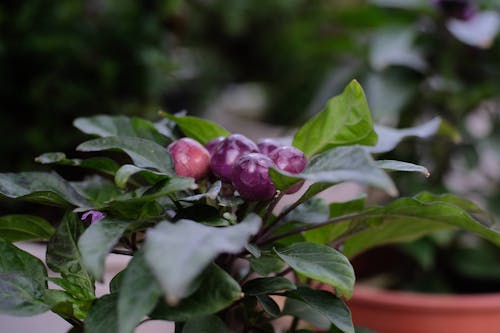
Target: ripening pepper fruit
(227, 152)
(191, 159)
(251, 179)
(289, 159)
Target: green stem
(311, 227)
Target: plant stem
(311, 227)
(294, 325)
(278, 218)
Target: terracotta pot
(404, 312)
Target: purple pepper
(251, 177)
(227, 152)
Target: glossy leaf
(41, 187)
(321, 263)
(144, 153)
(326, 304)
(201, 130)
(189, 241)
(126, 171)
(97, 241)
(105, 125)
(23, 282)
(329, 233)
(269, 305)
(14, 228)
(267, 285)
(64, 257)
(21, 296)
(345, 121)
(217, 291)
(139, 293)
(102, 164)
(339, 165)
(408, 219)
(97, 190)
(103, 316)
(205, 324)
(389, 138)
(402, 166)
(266, 264)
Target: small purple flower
(95, 216)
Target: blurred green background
(277, 60)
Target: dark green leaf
(389, 138)
(104, 126)
(205, 324)
(321, 263)
(329, 233)
(126, 171)
(42, 187)
(139, 293)
(299, 309)
(64, 257)
(408, 219)
(211, 194)
(266, 264)
(267, 285)
(97, 190)
(402, 166)
(102, 164)
(21, 296)
(23, 282)
(189, 241)
(116, 282)
(14, 228)
(269, 305)
(345, 121)
(339, 165)
(199, 129)
(326, 304)
(254, 250)
(103, 317)
(144, 153)
(217, 291)
(314, 210)
(97, 241)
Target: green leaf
(192, 242)
(389, 138)
(345, 121)
(314, 210)
(267, 285)
(339, 165)
(23, 282)
(102, 164)
(269, 305)
(41, 187)
(21, 296)
(64, 257)
(329, 233)
(14, 228)
(126, 171)
(196, 128)
(144, 153)
(326, 304)
(97, 190)
(297, 308)
(217, 290)
(139, 293)
(97, 241)
(402, 166)
(104, 126)
(103, 317)
(408, 219)
(266, 264)
(321, 263)
(205, 324)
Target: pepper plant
(195, 208)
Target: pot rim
(425, 302)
